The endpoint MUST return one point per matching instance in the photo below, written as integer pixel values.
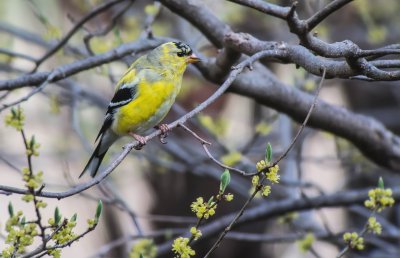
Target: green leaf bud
(225, 180)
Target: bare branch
(76, 27)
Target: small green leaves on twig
(268, 153)
(33, 147)
(10, 209)
(381, 185)
(73, 218)
(57, 216)
(98, 210)
(225, 180)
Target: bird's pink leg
(164, 132)
(142, 140)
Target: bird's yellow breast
(150, 106)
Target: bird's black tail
(94, 162)
(106, 140)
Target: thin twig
(76, 27)
(204, 144)
(303, 125)
(36, 90)
(236, 218)
(321, 15)
(16, 54)
(258, 188)
(107, 29)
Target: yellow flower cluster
(266, 190)
(306, 243)
(272, 174)
(33, 147)
(203, 209)
(32, 181)
(228, 197)
(374, 226)
(65, 234)
(261, 165)
(354, 240)
(143, 248)
(379, 199)
(15, 119)
(20, 235)
(255, 180)
(182, 248)
(196, 233)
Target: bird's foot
(164, 132)
(141, 139)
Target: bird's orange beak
(192, 59)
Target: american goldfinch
(143, 97)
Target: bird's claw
(141, 139)
(164, 132)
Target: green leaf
(57, 216)
(10, 209)
(99, 210)
(141, 256)
(225, 180)
(23, 220)
(268, 153)
(210, 201)
(73, 218)
(381, 185)
(32, 142)
(13, 112)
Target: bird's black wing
(124, 95)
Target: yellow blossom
(262, 164)
(374, 226)
(354, 240)
(379, 199)
(272, 174)
(255, 180)
(196, 233)
(266, 190)
(202, 209)
(228, 197)
(182, 248)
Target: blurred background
(157, 184)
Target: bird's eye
(183, 49)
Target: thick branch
(81, 65)
(370, 136)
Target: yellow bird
(143, 97)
